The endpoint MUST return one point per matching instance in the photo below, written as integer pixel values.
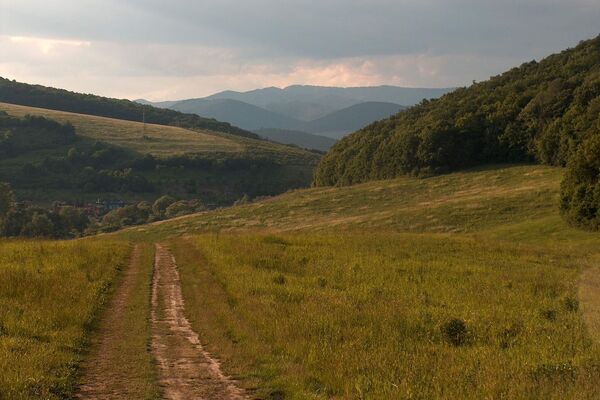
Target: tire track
(186, 371)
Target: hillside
(114, 158)
(297, 138)
(339, 123)
(462, 202)
(334, 124)
(236, 112)
(59, 99)
(540, 111)
(332, 98)
(374, 273)
(385, 275)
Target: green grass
(268, 168)
(349, 315)
(161, 140)
(50, 293)
(463, 202)
(343, 292)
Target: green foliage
(7, 198)
(20, 135)
(580, 189)
(24, 220)
(183, 207)
(159, 208)
(539, 111)
(42, 154)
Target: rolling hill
(236, 112)
(339, 123)
(333, 99)
(545, 111)
(114, 158)
(322, 111)
(63, 100)
(374, 273)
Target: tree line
(65, 221)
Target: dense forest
(59, 99)
(547, 112)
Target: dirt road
(119, 365)
(185, 369)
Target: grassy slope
(161, 140)
(349, 298)
(50, 293)
(294, 167)
(461, 202)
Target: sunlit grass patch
(49, 295)
(391, 315)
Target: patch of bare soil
(186, 371)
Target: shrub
(160, 206)
(279, 279)
(580, 190)
(455, 332)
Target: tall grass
(350, 315)
(50, 293)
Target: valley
(302, 242)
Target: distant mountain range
(302, 115)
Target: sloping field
(461, 202)
(468, 286)
(158, 140)
(458, 286)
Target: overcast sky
(172, 49)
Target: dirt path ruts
(186, 371)
(100, 379)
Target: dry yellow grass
(161, 139)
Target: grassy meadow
(365, 316)
(50, 294)
(351, 292)
(462, 202)
(160, 140)
(460, 286)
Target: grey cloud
(268, 42)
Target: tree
(183, 207)
(39, 226)
(580, 189)
(73, 219)
(160, 206)
(7, 199)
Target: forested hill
(58, 99)
(545, 111)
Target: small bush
(279, 279)
(571, 304)
(549, 314)
(455, 332)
